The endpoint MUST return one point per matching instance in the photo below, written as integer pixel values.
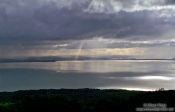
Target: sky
(129, 28)
(97, 29)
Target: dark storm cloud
(72, 19)
(170, 2)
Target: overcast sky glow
(111, 26)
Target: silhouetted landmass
(57, 58)
(81, 100)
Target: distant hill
(81, 58)
(84, 100)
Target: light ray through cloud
(79, 50)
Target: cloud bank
(74, 19)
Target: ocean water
(102, 74)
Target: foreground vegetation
(81, 100)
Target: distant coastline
(54, 59)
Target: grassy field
(83, 100)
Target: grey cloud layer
(74, 19)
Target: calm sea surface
(103, 74)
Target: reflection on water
(98, 66)
(107, 74)
(115, 66)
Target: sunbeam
(79, 50)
